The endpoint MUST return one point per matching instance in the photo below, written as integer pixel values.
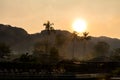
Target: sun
(79, 25)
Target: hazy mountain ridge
(21, 42)
(113, 42)
(13, 36)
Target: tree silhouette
(75, 37)
(60, 40)
(39, 54)
(48, 26)
(85, 38)
(4, 50)
(25, 57)
(39, 48)
(49, 29)
(40, 57)
(115, 55)
(54, 55)
(101, 48)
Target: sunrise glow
(79, 25)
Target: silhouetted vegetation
(48, 26)
(54, 55)
(60, 40)
(48, 46)
(115, 55)
(25, 42)
(48, 29)
(40, 56)
(4, 50)
(85, 38)
(101, 48)
(25, 57)
(39, 48)
(74, 39)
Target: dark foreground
(60, 77)
(60, 71)
(51, 77)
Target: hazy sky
(102, 16)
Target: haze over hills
(21, 42)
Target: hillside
(22, 42)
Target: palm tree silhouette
(75, 37)
(48, 28)
(85, 38)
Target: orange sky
(102, 16)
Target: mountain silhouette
(21, 42)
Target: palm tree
(74, 40)
(85, 38)
(48, 28)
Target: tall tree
(48, 28)
(74, 39)
(85, 38)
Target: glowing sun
(79, 25)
